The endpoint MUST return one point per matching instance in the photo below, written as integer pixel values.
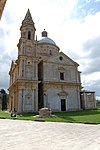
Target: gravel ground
(31, 135)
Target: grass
(84, 116)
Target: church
(43, 76)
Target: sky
(74, 25)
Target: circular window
(61, 58)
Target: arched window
(29, 35)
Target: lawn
(84, 116)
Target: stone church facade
(42, 76)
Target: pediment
(61, 68)
(62, 93)
(61, 58)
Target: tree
(3, 91)
(4, 99)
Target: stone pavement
(31, 135)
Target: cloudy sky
(74, 25)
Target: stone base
(44, 112)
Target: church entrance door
(63, 104)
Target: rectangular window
(61, 76)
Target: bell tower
(26, 85)
(27, 43)
(27, 49)
(28, 28)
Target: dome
(47, 40)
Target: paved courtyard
(31, 135)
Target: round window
(61, 58)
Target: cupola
(45, 39)
(44, 33)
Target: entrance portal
(63, 105)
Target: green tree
(4, 99)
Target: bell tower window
(29, 35)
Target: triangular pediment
(62, 59)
